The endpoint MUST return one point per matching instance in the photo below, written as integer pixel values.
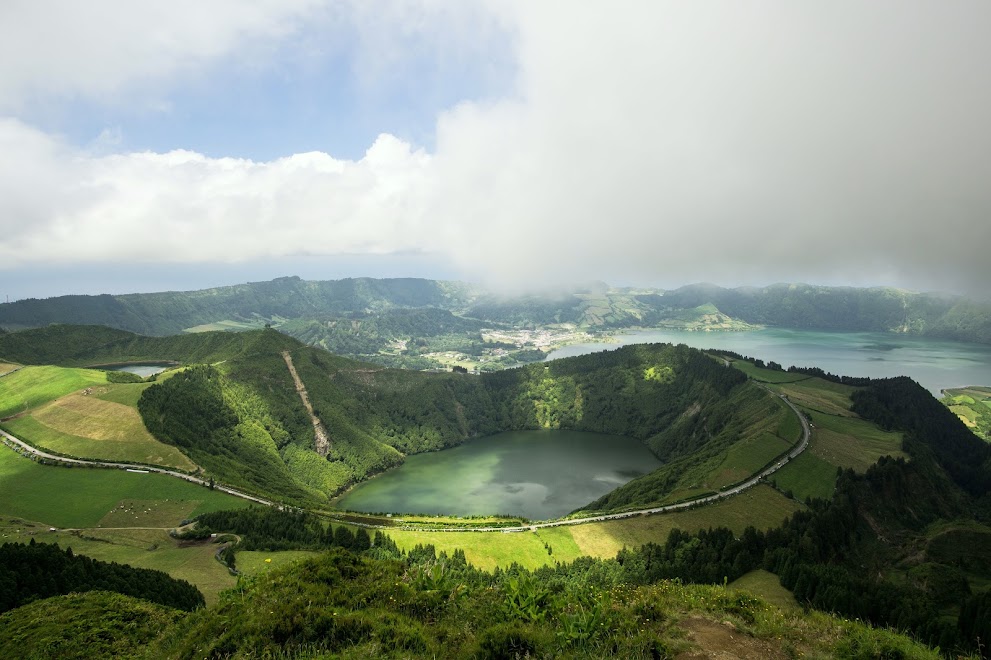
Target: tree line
(33, 571)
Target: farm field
(851, 442)
(85, 426)
(32, 386)
(81, 497)
(973, 406)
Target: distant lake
(535, 474)
(933, 363)
(143, 370)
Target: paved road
(127, 466)
(729, 492)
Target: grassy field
(761, 506)
(253, 562)
(81, 497)
(766, 375)
(820, 395)
(767, 586)
(747, 457)
(32, 386)
(973, 406)
(7, 367)
(235, 326)
(89, 427)
(124, 393)
(807, 476)
(486, 550)
(143, 548)
(852, 442)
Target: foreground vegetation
(420, 605)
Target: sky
(523, 145)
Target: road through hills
(729, 492)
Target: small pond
(143, 370)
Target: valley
(726, 432)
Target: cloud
(101, 50)
(652, 142)
(185, 207)
(735, 144)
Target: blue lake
(933, 363)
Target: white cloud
(187, 207)
(644, 141)
(100, 50)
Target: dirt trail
(322, 440)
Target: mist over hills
(291, 299)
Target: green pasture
(124, 393)
(81, 497)
(253, 562)
(820, 395)
(766, 375)
(227, 324)
(761, 506)
(747, 457)
(486, 550)
(103, 430)
(807, 476)
(767, 586)
(142, 548)
(32, 386)
(851, 442)
(973, 406)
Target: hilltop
(422, 324)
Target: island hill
(899, 537)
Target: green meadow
(33, 386)
(81, 497)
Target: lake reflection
(535, 474)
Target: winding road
(9, 439)
(729, 492)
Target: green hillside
(420, 606)
(243, 421)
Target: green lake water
(143, 370)
(535, 474)
(935, 364)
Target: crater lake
(535, 474)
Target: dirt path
(321, 439)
